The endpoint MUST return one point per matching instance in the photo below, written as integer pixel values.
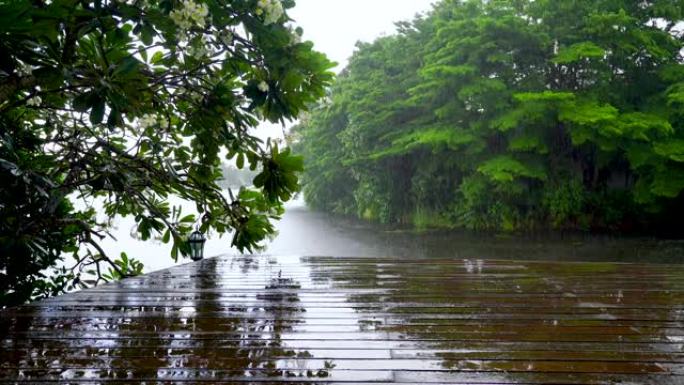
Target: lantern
(196, 244)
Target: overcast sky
(336, 25)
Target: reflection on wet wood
(321, 320)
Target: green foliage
(578, 52)
(279, 176)
(431, 138)
(126, 267)
(504, 168)
(424, 219)
(476, 209)
(565, 203)
(507, 115)
(123, 104)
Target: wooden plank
(321, 320)
(102, 330)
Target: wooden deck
(358, 320)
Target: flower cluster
(295, 35)
(34, 101)
(271, 9)
(150, 120)
(192, 14)
(263, 86)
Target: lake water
(305, 232)
(412, 307)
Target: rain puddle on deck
(262, 319)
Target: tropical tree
(511, 115)
(109, 107)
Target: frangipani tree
(129, 102)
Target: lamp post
(196, 242)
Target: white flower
(34, 101)
(147, 120)
(163, 122)
(271, 9)
(180, 20)
(181, 36)
(263, 86)
(295, 35)
(192, 14)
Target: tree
(511, 115)
(125, 103)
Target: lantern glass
(196, 244)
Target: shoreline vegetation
(542, 234)
(508, 116)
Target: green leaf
(114, 119)
(49, 77)
(668, 184)
(578, 52)
(528, 143)
(504, 168)
(431, 138)
(157, 57)
(167, 236)
(672, 149)
(147, 34)
(97, 112)
(82, 102)
(126, 67)
(190, 218)
(587, 113)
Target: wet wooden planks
(290, 320)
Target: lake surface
(344, 301)
(304, 232)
